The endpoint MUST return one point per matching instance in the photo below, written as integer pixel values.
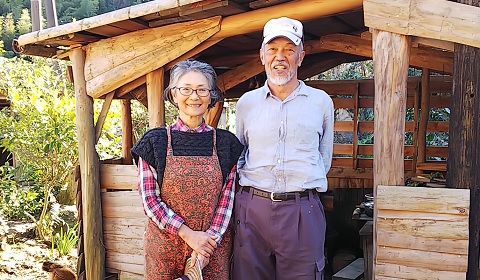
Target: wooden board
(123, 230)
(421, 233)
(118, 177)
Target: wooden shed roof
(334, 33)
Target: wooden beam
(464, 139)
(103, 115)
(436, 60)
(156, 104)
(121, 91)
(424, 115)
(443, 20)
(113, 62)
(101, 20)
(240, 74)
(390, 63)
(90, 173)
(127, 140)
(214, 114)
(253, 21)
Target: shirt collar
(297, 91)
(180, 126)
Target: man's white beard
(280, 81)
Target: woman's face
(194, 105)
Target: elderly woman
(186, 180)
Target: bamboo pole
(90, 173)
(127, 141)
(391, 54)
(156, 104)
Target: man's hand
(200, 241)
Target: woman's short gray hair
(184, 67)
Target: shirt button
(279, 161)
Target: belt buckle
(273, 199)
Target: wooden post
(156, 104)
(51, 11)
(90, 173)
(424, 114)
(127, 142)
(464, 140)
(36, 11)
(355, 127)
(391, 54)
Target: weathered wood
(118, 177)
(425, 106)
(443, 20)
(36, 12)
(105, 19)
(422, 243)
(156, 104)
(464, 136)
(103, 115)
(388, 271)
(437, 60)
(127, 140)
(422, 230)
(114, 62)
(213, 115)
(90, 169)
(425, 200)
(121, 91)
(391, 54)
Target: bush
(18, 202)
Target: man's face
(281, 58)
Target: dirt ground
(21, 258)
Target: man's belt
(276, 196)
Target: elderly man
(287, 129)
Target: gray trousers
(278, 240)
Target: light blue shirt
(289, 143)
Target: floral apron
(192, 186)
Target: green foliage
(65, 242)
(39, 125)
(18, 202)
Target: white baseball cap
(283, 27)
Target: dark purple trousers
(278, 240)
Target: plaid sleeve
(224, 210)
(153, 205)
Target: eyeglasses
(187, 91)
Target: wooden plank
(437, 60)
(112, 262)
(130, 276)
(350, 173)
(353, 271)
(398, 271)
(118, 177)
(426, 228)
(431, 200)
(432, 166)
(125, 227)
(113, 62)
(402, 240)
(443, 20)
(124, 245)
